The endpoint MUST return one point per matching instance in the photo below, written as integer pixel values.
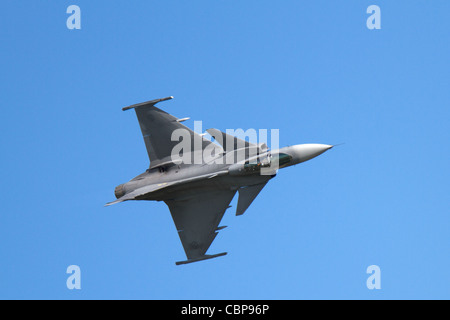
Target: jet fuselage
(217, 174)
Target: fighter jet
(197, 177)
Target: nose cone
(304, 152)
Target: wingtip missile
(205, 257)
(147, 103)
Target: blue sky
(311, 69)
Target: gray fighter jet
(198, 178)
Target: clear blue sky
(311, 69)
